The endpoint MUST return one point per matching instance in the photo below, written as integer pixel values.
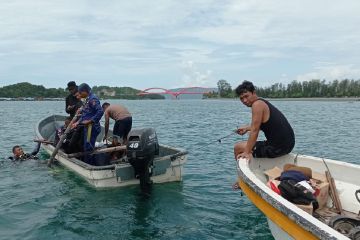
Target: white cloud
(193, 77)
(234, 39)
(330, 72)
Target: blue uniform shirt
(92, 110)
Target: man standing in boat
(280, 137)
(91, 114)
(72, 103)
(123, 120)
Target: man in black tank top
(280, 138)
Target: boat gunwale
(307, 222)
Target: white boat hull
(108, 178)
(170, 162)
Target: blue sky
(173, 44)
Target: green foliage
(28, 90)
(25, 89)
(212, 94)
(313, 88)
(225, 90)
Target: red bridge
(173, 93)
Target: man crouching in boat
(280, 138)
(19, 155)
(90, 119)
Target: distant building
(106, 92)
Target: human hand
(105, 139)
(70, 107)
(74, 125)
(242, 130)
(86, 122)
(244, 155)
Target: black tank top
(277, 129)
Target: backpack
(297, 193)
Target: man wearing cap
(91, 114)
(71, 102)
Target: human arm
(68, 107)
(36, 149)
(257, 116)
(106, 124)
(243, 130)
(98, 111)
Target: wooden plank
(98, 151)
(62, 138)
(334, 194)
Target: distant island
(28, 91)
(313, 89)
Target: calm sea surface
(41, 203)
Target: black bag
(297, 194)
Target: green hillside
(28, 90)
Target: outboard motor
(142, 146)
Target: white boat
(167, 165)
(285, 219)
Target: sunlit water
(41, 203)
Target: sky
(170, 44)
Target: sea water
(37, 202)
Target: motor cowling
(142, 147)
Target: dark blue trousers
(90, 134)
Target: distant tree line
(25, 89)
(295, 89)
(28, 90)
(313, 88)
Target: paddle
(43, 141)
(62, 138)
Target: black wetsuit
(71, 100)
(27, 156)
(280, 137)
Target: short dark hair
(245, 86)
(15, 147)
(84, 87)
(105, 104)
(71, 84)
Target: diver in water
(19, 155)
